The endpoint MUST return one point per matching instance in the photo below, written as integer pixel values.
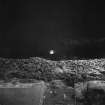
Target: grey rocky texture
(47, 70)
(62, 77)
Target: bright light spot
(52, 52)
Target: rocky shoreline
(47, 70)
(68, 80)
